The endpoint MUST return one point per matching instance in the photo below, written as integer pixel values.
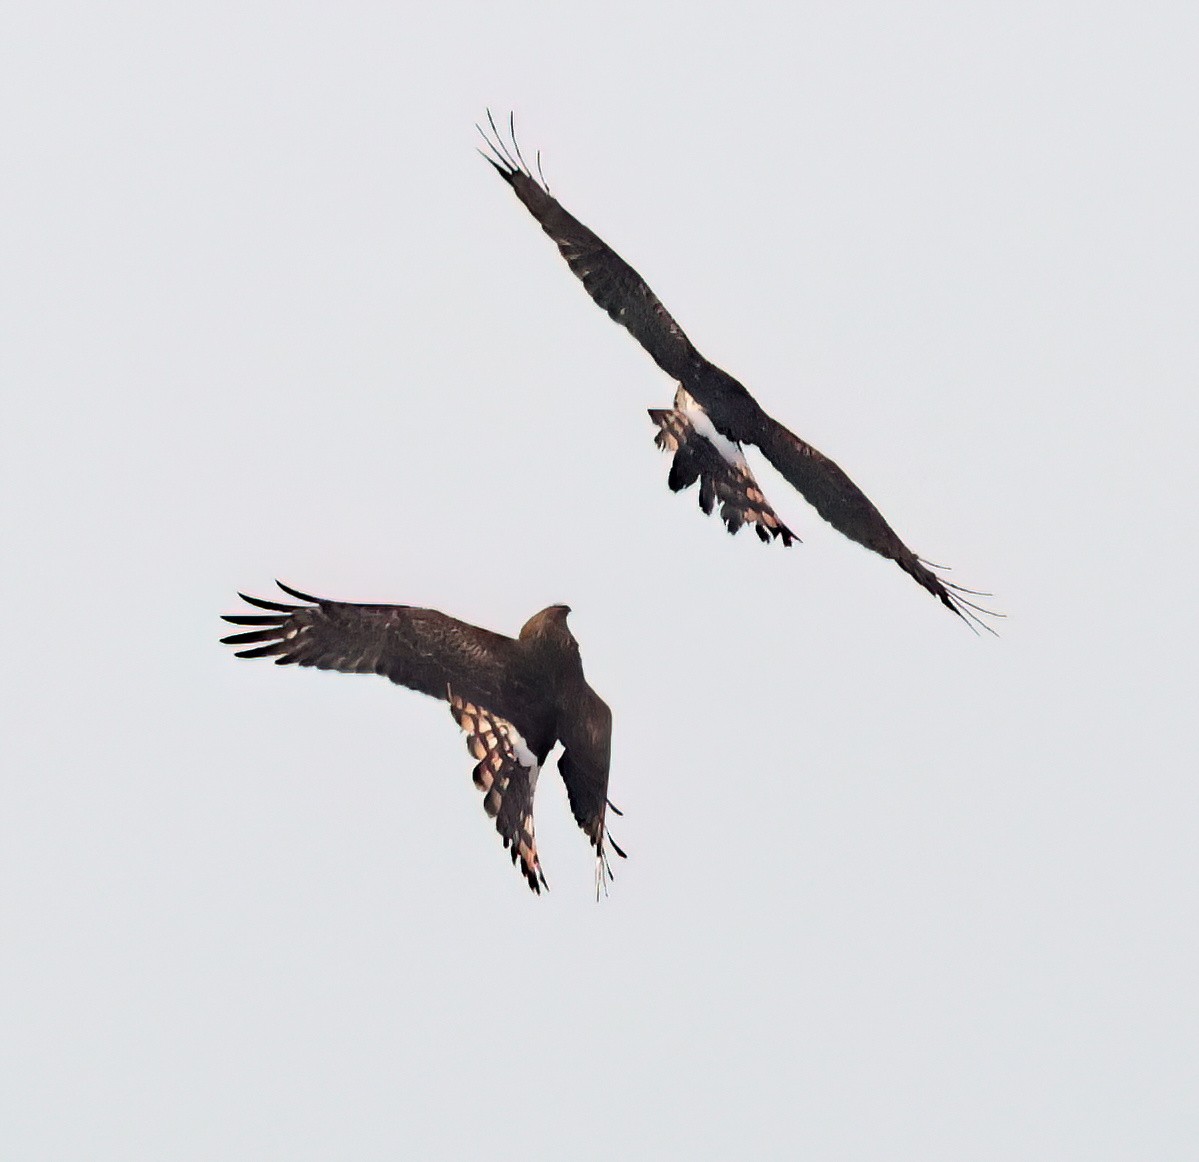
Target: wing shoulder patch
(702, 453)
(506, 773)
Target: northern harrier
(514, 698)
(713, 415)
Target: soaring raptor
(514, 698)
(713, 415)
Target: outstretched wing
(608, 279)
(736, 415)
(848, 509)
(585, 729)
(418, 648)
(701, 453)
(507, 775)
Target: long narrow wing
(736, 415)
(585, 729)
(418, 648)
(506, 773)
(848, 509)
(608, 279)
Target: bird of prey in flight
(713, 414)
(514, 697)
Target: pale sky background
(894, 891)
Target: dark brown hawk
(514, 697)
(713, 414)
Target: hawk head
(548, 625)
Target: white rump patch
(520, 748)
(685, 402)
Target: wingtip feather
(253, 618)
(261, 652)
(263, 603)
(297, 594)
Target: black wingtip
(297, 594)
(253, 618)
(253, 635)
(261, 652)
(505, 174)
(494, 158)
(952, 595)
(505, 156)
(509, 167)
(263, 603)
(971, 613)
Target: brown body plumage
(716, 398)
(514, 697)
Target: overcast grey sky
(893, 891)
